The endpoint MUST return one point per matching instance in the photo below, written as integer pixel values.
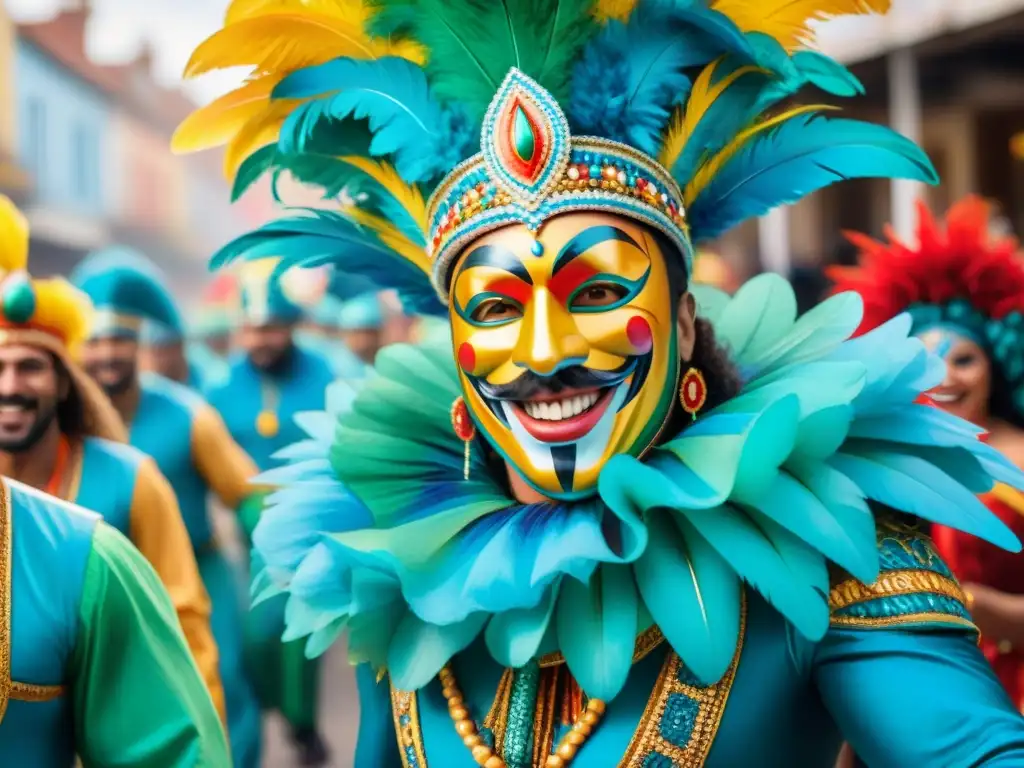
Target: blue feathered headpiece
(128, 293)
(665, 112)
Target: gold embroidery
(407, 728)
(892, 584)
(646, 642)
(544, 715)
(711, 702)
(497, 718)
(908, 618)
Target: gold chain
(485, 755)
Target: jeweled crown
(530, 168)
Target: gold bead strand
(464, 725)
(571, 742)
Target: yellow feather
(244, 9)
(390, 236)
(787, 20)
(284, 42)
(613, 9)
(710, 169)
(407, 195)
(13, 237)
(61, 306)
(687, 116)
(221, 119)
(261, 129)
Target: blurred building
(948, 73)
(94, 144)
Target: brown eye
(963, 360)
(598, 295)
(497, 311)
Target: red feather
(955, 259)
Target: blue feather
(327, 237)
(408, 125)
(800, 156)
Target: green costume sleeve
(139, 699)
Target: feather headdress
(662, 111)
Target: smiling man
(184, 436)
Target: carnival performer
(163, 347)
(617, 518)
(188, 441)
(271, 380)
(92, 660)
(964, 290)
(60, 434)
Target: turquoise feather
(743, 330)
(801, 155)
(597, 625)
(514, 637)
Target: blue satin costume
(285, 680)
(882, 678)
(170, 423)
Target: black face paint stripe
(590, 238)
(501, 258)
(564, 458)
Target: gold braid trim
(874, 622)
(407, 728)
(893, 584)
(646, 642)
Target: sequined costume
(613, 518)
(259, 409)
(186, 438)
(964, 290)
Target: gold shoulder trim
(892, 584)
(649, 738)
(405, 711)
(5, 597)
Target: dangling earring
(464, 429)
(693, 392)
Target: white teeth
(11, 408)
(561, 409)
(940, 397)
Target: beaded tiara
(530, 168)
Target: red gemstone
(640, 184)
(584, 171)
(462, 424)
(520, 114)
(693, 391)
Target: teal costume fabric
(329, 315)
(285, 680)
(760, 497)
(162, 429)
(107, 481)
(206, 367)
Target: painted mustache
(531, 384)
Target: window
(34, 144)
(83, 162)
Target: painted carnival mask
(965, 390)
(566, 344)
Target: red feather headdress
(960, 260)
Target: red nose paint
(638, 331)
(467, 357)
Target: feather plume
(354, 10)
(390, 93)
(261, 129)
(788, 20)
(13, 237)
(474, 43)
(406, 197)
(709, 115)
(798, 157)
(217, 122)
(708, 170)
(618, 10)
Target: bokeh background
(90, 94)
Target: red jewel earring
(693, 392)
(465, 430)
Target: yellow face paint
(566, 344)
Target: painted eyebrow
(587, 239)
(501, 258)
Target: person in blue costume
(321, 334)
(187, 439)
(360, 324)
(92, 662)
(615, 518)
(59, 433)
(271, 384)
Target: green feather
(254, 166)
(472, 44)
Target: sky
(118, 29)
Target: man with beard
(616, 518)
(85, 628)
(270, 380)
(187, 439)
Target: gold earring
(465, 430)
(693, 392)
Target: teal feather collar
(376, 531)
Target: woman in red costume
(964, 290)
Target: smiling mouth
(563, 417)
(946, 398)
